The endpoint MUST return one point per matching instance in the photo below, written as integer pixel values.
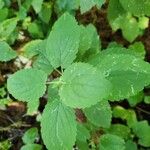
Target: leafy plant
(4, 99)
(5, 145)
(129, 16)
(113, 142)
(87, 84)
(6, 52)
(29, 138)
(71, 6)
(84, 84)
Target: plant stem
(62, 70)
(144, 111)
(58, 71)
(55, 82)
(14, 125)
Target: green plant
(88, 79)
(5, 145)
(129, 16)
(71, 6)
(4, 99)
(29, 138)
(84, 84)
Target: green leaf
(58, 126)
(99, 114)
(115, 12)
(130, 29)
(86, 5)
(42, 63)
(3, 14)
(7, 3)
(22, 13)
(120, 19)
(27, 85)
(85, 38)
(32, 107)
(30, 136)
(123, 69)
(142, 130)
(52, 92)
(31, 147)
(37, 47)
(114, 44)
(63, 41)
(35, 30)
(83, 86)
(136, 7)
(13, 37)
(89, 41)
(67, 5)
(134, 100)
(1, 4)
(111, 142)
(7, 27)
(82, 145)
(5, 145)
(130, 145)
(128, 115)
(46, 12)
(32, 48)
(37, 5)
(26, 4)
(4, 102)
(147, 99)
(6, 52)
(119, 130)
(143, 22)
(2, 91)
(83, 133)
(96, 42)
(139, 49)
(120, 112)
